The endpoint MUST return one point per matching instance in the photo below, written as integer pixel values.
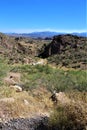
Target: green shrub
(4, 68)
(44, 68)
(60, 80)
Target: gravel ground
(37, 123)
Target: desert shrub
(44, 75)
(69, 117)
(32, 69)
(67, 80)
(44, 68)
(82, 86)
(4, 68)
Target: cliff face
(61, 43)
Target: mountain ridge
(45, 34)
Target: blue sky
(42, 15)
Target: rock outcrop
(60, 43)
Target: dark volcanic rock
(37, 123)
(59, 44)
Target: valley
(30, 70)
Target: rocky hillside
(15, 49)
(63, 50)
(36, 123)
(25, 89)
(66, 50)
(19, 49)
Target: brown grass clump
(25, 104)
(71, 116)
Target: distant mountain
(35, 34)
(44, 34)
(84, 34)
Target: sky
(24, 16)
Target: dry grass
(25, 104)
(72, 115)
(63, 116)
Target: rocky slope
(69, 113)
(67, 50)
(20, 49)
(36, 123)
(16, 49)
(64, 50)
(60, 44)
